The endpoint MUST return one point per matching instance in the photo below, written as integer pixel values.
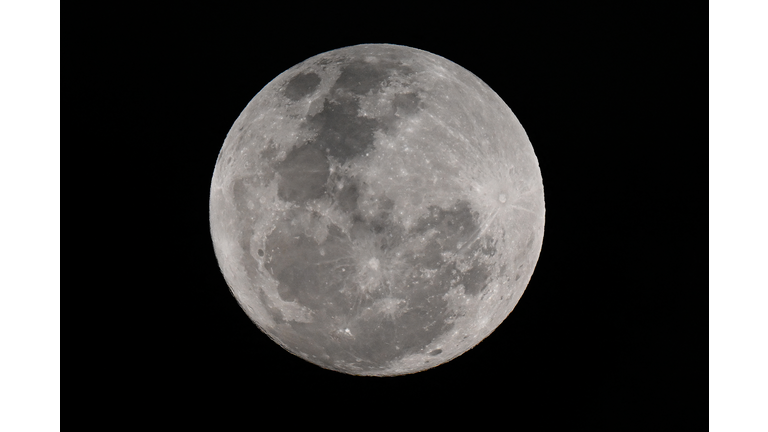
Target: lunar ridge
(377, 210)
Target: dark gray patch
(385, 203)
(380, 340)
(420, 325)
(240, 194)
(489, 249)
(301, 85)
(274, 311)
(459, 218)
(435, 352)
(406, 104)
(380, 222)
(261, 252)
(517, 276)
(269, 152)
(345, 193)
(455, 226)
(389, 235)
(326, 61)
(341, 133)
(305, 274)
(309, 339)
(360, 77)
(375, 341)
(244, 241)
(521, 256)
(475, 279)
(303, 174)
(361, 229)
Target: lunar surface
(377, 210)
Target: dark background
(609, 334)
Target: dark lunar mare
(303, 174)
(316, 280)
(342, 134)
(302, 85)
(338, 131)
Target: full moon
(377, 210)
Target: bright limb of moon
(377, 210)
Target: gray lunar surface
(377, 210)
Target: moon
(377, 210)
